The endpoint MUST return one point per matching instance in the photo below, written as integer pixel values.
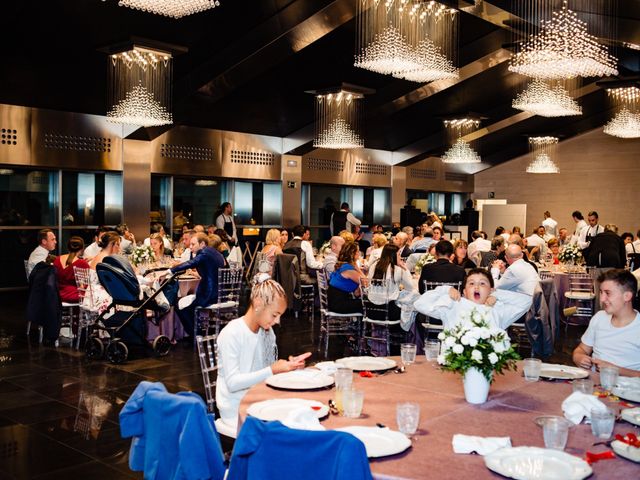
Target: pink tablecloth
(169, 324)
(512, 406)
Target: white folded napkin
(328, 368)
(629, 382)
(185, 301)
(303, 418)
(578, 406)
(480, 445)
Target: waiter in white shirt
(343, 220)
(550, 225)
(225, 221)
(46, 244)
(591, 231)
(580, 225)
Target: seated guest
(387, 268)
(437, 233)
(613, 335)
(519, 276)
(198, 228)
(271, 247)
(460, 257)
(479, 244)
(127, 239)
(46, 243)
(421, 245)
(284, 237)
(501, 307)
(563, 237)
(442, 270)
(344, 285)
(554, 248)
(301, 247)
(99, 299)
(379, 241)
(247, 351)
(64, 270)
(156, 242)
(409, 231)
(606, 249)
(497, 247)
(206, 261)
(185, 242)
(347, 236)
(401, 240)
(516, 239)
(158, 228)
(93, 248)
(225, 242)
(331, 258)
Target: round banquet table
(512, 406)
(169, 324)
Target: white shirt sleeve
(229, 353)
(406, 281)
(220, 222)
(308, 252)
(435, 303)
(589, 337)
(38, 255)
(353, 220)
(509, 307)
(582, 239)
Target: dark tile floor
(59, 411)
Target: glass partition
(28, 197)
(91, 198)
(198, 199)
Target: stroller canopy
(119, 280)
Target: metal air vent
(252, 158)
(427, 173)
(371, 168)
(325, 164)
(456, 177)
(9, 136)
(186, 152)
(77, 143)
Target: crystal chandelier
(338, 121)
(140, 88)
(542, 148)
(171, 8)
(461, 152)
(541, 99)
(625, 124)
(563, 49)
(409, 39)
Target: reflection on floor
(59, 412)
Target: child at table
(247, 352)
(502, 307)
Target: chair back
(323, 287)
(431, 285)
(26, 269)
(83, 282)
(544, 274)
(581, 283)
(375, 299)
(208, 355)
(229, 284)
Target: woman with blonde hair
(379, 241)
(271, 248)
(344, 285)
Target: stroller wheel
(117, 352)
(161, 345)
(94, 348)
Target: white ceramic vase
(476, 386)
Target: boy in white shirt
(613, 336)
(247, 352)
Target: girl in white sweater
(247, 352)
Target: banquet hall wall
(597, 172)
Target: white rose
(464, 340)
(476, 355)
(473, 342)
(485, 333)
(450, 341)
(457, 348)
(499, 347)
(441, 359)
(493, 358)
(441, 336)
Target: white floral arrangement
(325, 248)
(424, 260)
(473, 343)
(570, 253)
(388, 235)
(142, 254)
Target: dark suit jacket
(606, 250)
(43, 306)
(441, 271)
(207, 262)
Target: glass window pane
(91, 198)
(357, 202)
(272, 203)
(381, 206)
(243, 203)
(198, 200)
(15, 247)
(323, 201)
(28, 197)
(161, 203)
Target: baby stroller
(124, 326)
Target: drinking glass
(555, 431)
(343, 378)
(602, 422)
(532, 368)
(608, 377)
(584, 385)
(408, 417)
(432, 349)
(352, 401)
(408, 353)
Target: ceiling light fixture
(542, 148)
(460, 151)
(543, 164)
(625, 124)
(171, 8)
(563, 49)
(547, 101)
(338, 120)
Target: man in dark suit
(442, 270)
(606, 249)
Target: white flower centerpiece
(325, 248)
(570, 255)
(424, 260)
(477, 351)
(142, 254)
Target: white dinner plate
(307, 379)
(371, 364)
(379, 442)
(279, 408)
(631, 415)
(627, 393)
(562, 372)
(625, 450)
(532, 463)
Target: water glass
(555, 431)
(432, 349)
(584, 385)
(532, 368)
(352, 401)
(608, 377)
(408, 353)
(602, 422)
(408, 417)
(343, 378)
